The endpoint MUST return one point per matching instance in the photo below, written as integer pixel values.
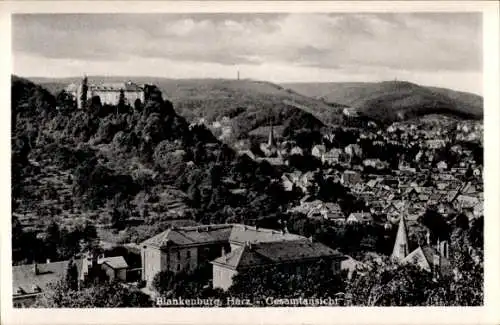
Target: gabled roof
(424, 257)
(115, 262)
(275, 253)
(190, 236)
(401, 239)
(206, 234)
(241, 257)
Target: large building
(293, 256)
(186, 248)
(109, 93)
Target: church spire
(400, 250)
(271, 141)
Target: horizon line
(247, 79)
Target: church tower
(271, 142)
(400, 250)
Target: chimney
(35, 268)
(310, 238)
(48, 261)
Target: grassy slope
(392, 97)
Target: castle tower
(400, 250)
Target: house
(375, 163)
(332, 157)
(292, 256)
(351, 265)
(360, 217)
(435, 143)
(107, 268)
(466, 201)
(185, 248)
(297, 151)
(442, 165)
(328, 211)
(372, 183)
(350, 177)
(353, 150)
(248, 153)
(287, 182)
(115, 268)
(318, 151)
(31, 280)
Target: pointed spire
(400, 250)
(271, 142)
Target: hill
(247, 103)
(391, 100)
(132, 172)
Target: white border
(354, 315)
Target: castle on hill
(109, 93)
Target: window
(178, 267)
(402, 249)
(188, 254)
(178, 254)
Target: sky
(436, 49)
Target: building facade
(109, 93)
(186, 248)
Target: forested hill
(248, 104)
(132, 169)
(392, 100)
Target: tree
(52, 240)
(104, 295)
(436, 224)
(389, 284)
(71, 276)
(121, 102)
(138, 105)
(83, 97)
(314, 280)
(118, 218)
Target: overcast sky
(432, 49)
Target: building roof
(401, 239)
(242, 234)
(360, 216)
(195, 235)
(252, 255)
(115, 262)
(116, 86)
(24, 277)
(424, 257)
(206, 234)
